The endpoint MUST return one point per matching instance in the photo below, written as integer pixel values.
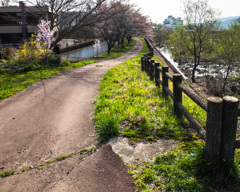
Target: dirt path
(52, 118)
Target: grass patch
(41, 166)
(185, 169)
(142, 113)
(7, 173)
(15, 81)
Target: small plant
(65, 63)
(31, 67)
(41, 166)
(107, 127)
(8, 53)
(7, 173)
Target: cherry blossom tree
(70, 16)
(44, 37)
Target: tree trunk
(225, 80)
(193, 73)
(122, 42)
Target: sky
(159, 10)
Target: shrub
(29, 52)
(65, 63)
(8, 53)
(2, 71)
(31, 67)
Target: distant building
(17, 23)
(172, 23)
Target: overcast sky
(158, 10)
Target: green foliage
(143, 113)
(215, 175)
(7, 173)
(28, 52)
(171, 172)
(31, 67)
(41, 166)
(2, 71)
(184, 169)
(62, 157)
(107, 127)
(65, 63)
(8, 53)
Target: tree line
(109, 20)
(201, 39)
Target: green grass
(13, 82)
(184, 169)
(7, 173)
(142, 114)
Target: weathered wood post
(157, 74)
(164, 80)
(144, 64)
(147, 65)
(152, 66)
(229, 128)
(142, 58)
(213, 129)
(177, 94)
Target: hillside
(227, 21)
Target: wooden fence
(222, 113)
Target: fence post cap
(177, 75)
(230, 99)
(215, 99)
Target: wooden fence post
(229, 128)
(213, 129)
(157, 74)
(147, 65)
(142, 63)
(152, 70)
(164, 80)
(177, 94)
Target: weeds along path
(51, 118)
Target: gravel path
(52, 118)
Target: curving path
(52, 118)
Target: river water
(87, 52)
(204, 69)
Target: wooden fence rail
(222, 113)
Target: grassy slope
(130, 105)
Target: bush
(8, 53)
(31, 67)
(65, 63)
(2, 71)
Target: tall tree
(196, 36)
(69, 16)
(123, 20)
(229, 48)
